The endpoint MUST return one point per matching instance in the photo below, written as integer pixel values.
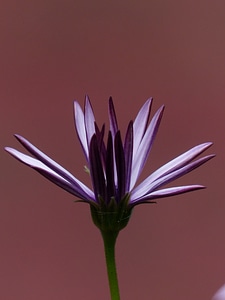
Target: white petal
(167, 192)
(140, 124)
(32, 162)
(71, 181)
(89, 120)
(170, 167)
(145, 146)
(80, 127)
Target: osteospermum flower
(115, 166)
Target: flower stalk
(109, 239)
(110, 220)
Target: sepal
(113, 217)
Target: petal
(110, 169)
(120, 166)
(97, 174)
(50, 174)
(140, 123)
(171, 166)
(89, 120)
(112, 118)
(220, 294)
(167, 193)
(170, 177)
(128, 153)
(53, 165)
(101, 144)
(145, 146)
(113, 128)
(80, 128)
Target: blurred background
(53, 52)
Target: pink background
(53, 52)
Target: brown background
(52, 52)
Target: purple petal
(180, 172)
(220, 294)
(112, 118)
(80, 128)
(53, 165)
(97, 174)
(89, 120)
(140, 123)
(120, 165)
(145, 146)
(171, 166)
(74, 187)
(128, 153)
(110, 169)
(167, 193)
(113, 128)
(101, 144)
(152, 186)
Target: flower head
(115, 165)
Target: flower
(115, 166)
(220, 294)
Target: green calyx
(111, 217)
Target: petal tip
(7, 149)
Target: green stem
(109, 239)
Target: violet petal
(75, 186)
(152, 186)
(145, 146)
(140, 123)
(89, 120)
(120, 166)
(112, 118)
(167, 192)
(97, 174)
(80, 128)
(111, 190)
(128, 153)
(169, 167)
